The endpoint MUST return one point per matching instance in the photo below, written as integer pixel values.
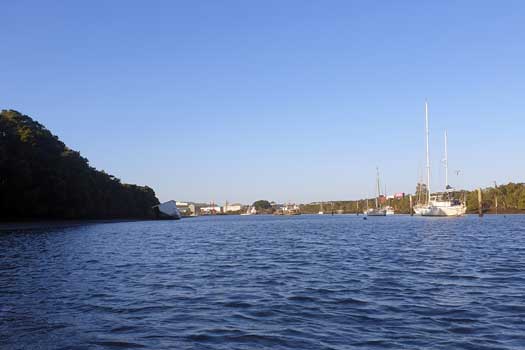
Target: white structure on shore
(167, 210)
(232, 207)
(213, 209)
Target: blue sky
(282, 100)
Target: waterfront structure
(193, 209)
(232, 207)
(167, 211)
(289, 209)
(210, 210)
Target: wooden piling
(480, 203)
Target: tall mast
(378, 188)
(446, 161)
(428, 159)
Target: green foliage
(40, 178)
(510, 198)
(262, 205)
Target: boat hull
(375, 212)
(417, 210)
(457, 210)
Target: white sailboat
(250, 211)
(444, 203)
(377, 211)
(321, 212)
(389, 209)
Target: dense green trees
(40, 178)
(510, 198)
(262, 205)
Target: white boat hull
(375, 212)
(418, 209)
(437, 210)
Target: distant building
(211, 210)
(184, 208)
(232, 207)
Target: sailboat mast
(428, 159)
(446, 161)
(378, 188)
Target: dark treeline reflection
(41, 178)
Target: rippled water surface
(305, 282)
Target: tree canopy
(41, 178)
(262, 205)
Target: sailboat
(321, 212)
(377, 211)
(443, 203)
(389, 209)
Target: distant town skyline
(285, 101)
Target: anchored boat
(377, 211)
(442, 203)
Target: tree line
(41, 178)
(510, 198)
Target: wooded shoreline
(42, 224)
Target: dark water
(305, 282)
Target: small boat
(250, 211)
(321, 212)
(375, 212)
(389, 210)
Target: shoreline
(41, 224)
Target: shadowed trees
(41, 178)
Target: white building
(211, 210)
(232, 207)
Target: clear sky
(279, 100)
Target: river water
(264, 282)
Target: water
(305, 282)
